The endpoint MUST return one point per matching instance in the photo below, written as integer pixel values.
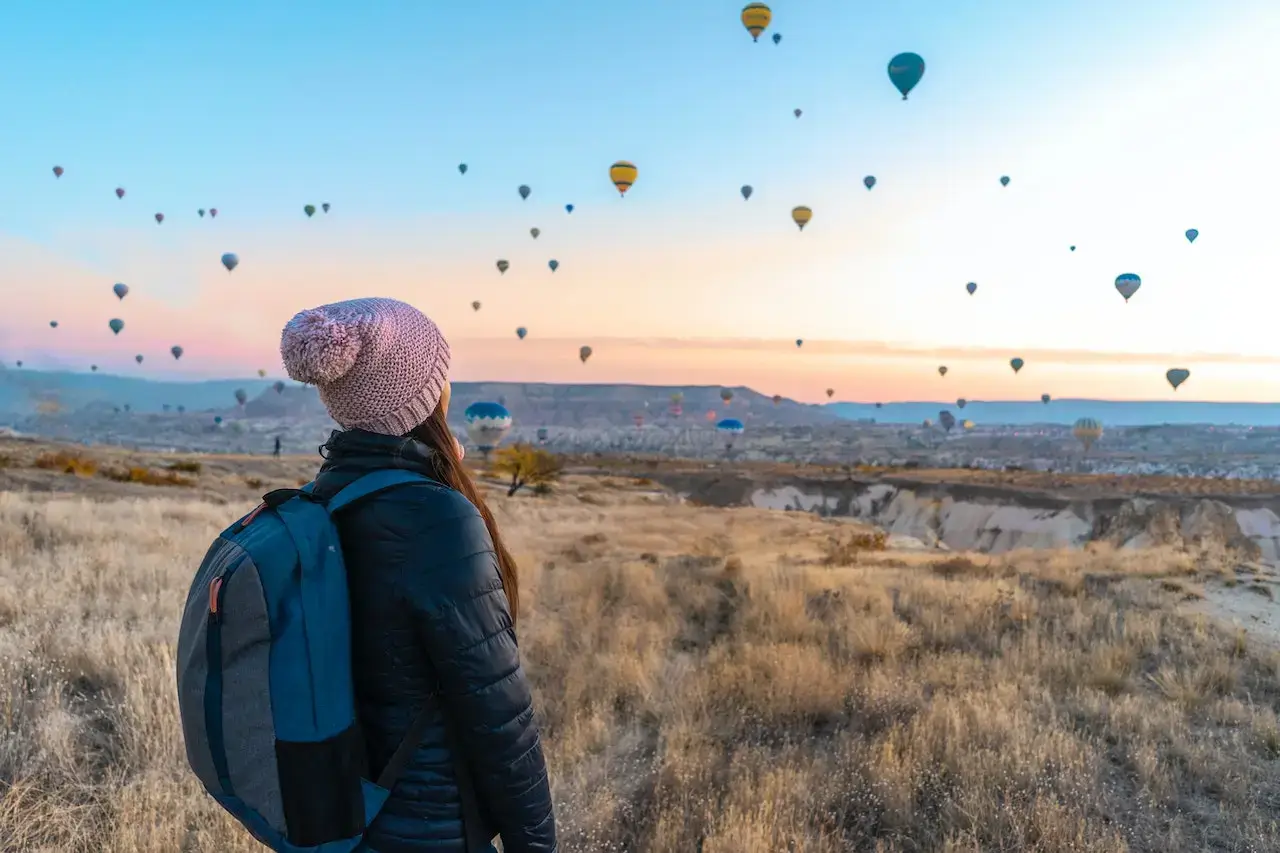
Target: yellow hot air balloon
(623, 174)
(1087, 431)
(801, 215)
(756, 18)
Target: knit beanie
(379, 364)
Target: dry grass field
(729, 681)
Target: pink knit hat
(379, 364)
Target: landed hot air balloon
(279, 386)
(325, 207)
(972, 287)
(138, 358)
(462, 168)
(777, 398)
(584, 353)
(726, 395)
(942, 370)
(947, 420)
(1087, 431)
(756, 18)
(730, 429)
(475, 306)
(201, 212)
(57, 171)
(119, 192)
(524, 191)
(503, 266)
(801, 216)
(623, 174)
(1004, 180)
(53, 324)
(554, 264)
(176, 352)
(535, 232)
(799, 342)
(777, 37)
(1016, 364)
(746, 191)
(961, 403)
(799, 112)
(1045, 398)
(262, 374)
(309, 210)
(213, 211)
(1128, 284)
(120, 290)
(487, 424)
(831, 392)
(869, 181)
(241, 396)
(1192, 234)
(1176, 376)
(905, 71)
(568, 208)
(230, 261)
(116, 325)
(521, 332)
(159, 218)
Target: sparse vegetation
(67, 463)
(843, 549)
(146, 476)
(254, 482)
(527, 465)
(186, 466)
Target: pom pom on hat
(319, 347)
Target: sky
(1119, 125)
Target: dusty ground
(707, 679)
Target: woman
(434, 597)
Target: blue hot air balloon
(1192, 234)
(542, 435)
(554, 264)
(217, 419)
(799, 342)
(116, 326)
(487, 424)
(524, 191)
(120, 290)
(777, 37)
(905, 71)
(729, 429)
(53, 324)
(746, 191)
(568, 208)
(869, 181)
(1004, 180)
(521, 332)
(1128, 284)
(462, 167)
(972, 287)
(230, 261)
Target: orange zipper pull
(214, 588)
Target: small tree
(527, 465)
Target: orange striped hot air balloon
(623, 174)
(756, 18)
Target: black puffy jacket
(429, 614)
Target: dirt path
(1251, 603)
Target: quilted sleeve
(453, 584)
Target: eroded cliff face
(968, 517)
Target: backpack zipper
(213, 717)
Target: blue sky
(1121, 125)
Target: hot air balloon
(1087, 431)
(730, 429)
(279, 386)
(521, 332)
(57, 171)
(53, 324)
(638, 419)
(119, 192)
(801, 215)
(777, 398)
(524, 191)
(972, 287)
(262, 374)
(1176, 376)
(1045, 398)
(799, 112)
(710, 415)
(241, 396)
(584, 353)
(217, 419)
(746, 191)
(869, 181)
(138, 358)
(942, 370)
(726, 395)
(1192, 234)
(756, 18)
(947, 420)
(961, 403)
(159, 218)
(181, 409)
(623, 174)
(230, 261)
(503, 266)
(1004, 180)
(475, 306)
(116, 326)
(542, 435)
(1128, 284)
(309, 210)
(201, 212)
(325, 207)
(777, 37)
(967, 425)
(799, 342)
(213, 211)
(177, 352)
(554, 264)
(535, 232)
(462, 168)
(120, 290)
(1016, 364)
(905, 71)
(568, 208)
(830, 393)
(487, 424)
(927, 423)
(1073, 248)
(879, 405)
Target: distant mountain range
(27, 392)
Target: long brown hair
(434, 432)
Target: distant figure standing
(276, 452)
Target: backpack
(265, 687)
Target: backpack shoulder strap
(372, 483)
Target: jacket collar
(352, 453)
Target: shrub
(67, 463)
(254, 482)
(186, 466)
(527, 465)
(844, 551)
(147, 477)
